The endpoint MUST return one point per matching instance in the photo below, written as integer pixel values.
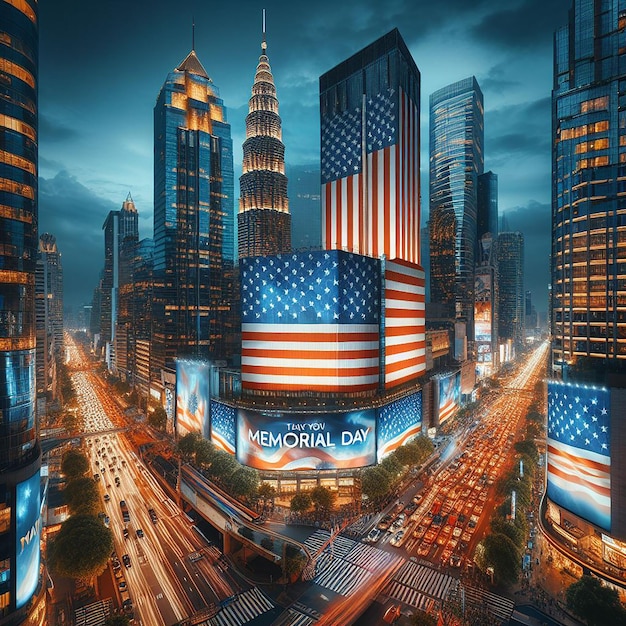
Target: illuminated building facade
(20, 454)
(193, 218)
(264, 222)
(456, 162)
(49, 316)
(586, 506)
(510, 260)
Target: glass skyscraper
(456, 162)
(510, 262)
(20, 455)
(193, 217)
(264, 221)
(487, 213)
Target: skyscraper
(193, 216)
(510, 261)
(487, 207)
(20, 454)
(264, 220)
(456, 161)
(586, 485)
(49, 316)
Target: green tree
(504, 556)
(266, 491)
(375, 482)
(295, 560)
(74, 464)
(243, 481)
(392, 464)
(71, 422)
(117, 620)
(323, 498)
(187, 445)
(300, 502)
(222, 466)
(81, 548)
(82, 496)
(158, 418)
(596, 604)
(205, 451)
(529, 449)
(508, 528)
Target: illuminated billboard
(223, 419)
(579, 455)
(192, 397)
(449, 395)
(28, 523)
(482, 321)
(312, 442)
(397, 423)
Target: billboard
(482, 321)
(397, 423)
(312, 442)
(192, 397)
(578, 454)
(449, 395)
(223, 419)
(28, 525)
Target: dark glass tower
(510, 261)
(264, 222)
(487, 214)
(193, 217)
(20, 456)
(456, 162)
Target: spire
(129, 198)
(193, 34)
(192, 65)
(263, 42)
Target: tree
(158, 418)
(117, 620)
(596, 604)
(71, 421)
(82, 496)
(527, 448)
(74, 464)
(375, 482)
(300, 502)
(323, 498)
(243, 481)
(295, 560)
(187, 445)
(222, 466)
(392, 464)
(81, 548)
(266, 491)
(205, 451)
(504, 556)
(511, 530)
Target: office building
(49, 318)
(193, 218)
(487, 207)
(20, 453)
(264, 222)
(511, 310)
(586, 486)
(456, 162)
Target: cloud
(74, 215)
(51, 130)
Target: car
(122, 586)
(373, 535)
(153, 515)
(139, 533)
(125, 533)
(384, 522)
(96, 476)
(126, 517)
(107, 497)
(397, 538)
(457, 532)
(122, 504)
(126, 560)
(117, 481)
(127, 605)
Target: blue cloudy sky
(102, 65)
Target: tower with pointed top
(193, 217)
(264, 222)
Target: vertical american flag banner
(579, 456)
(404, 322)
(192, 397)
(223, 419)
(370, 177)
(449, 394)
(398, 423)
(310, 321)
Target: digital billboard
(28, 524)
(397, 423)
(223, 419)
(579, 455)
(312, 442)
(192, 397)
(449, 395)
(482, 321)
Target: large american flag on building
(310, 321)
(579, 461)
(370, 177)
(404, 322)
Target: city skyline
(96, 132)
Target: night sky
(102, 66)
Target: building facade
(264, 222)
(193, 218)
(20, 454)
(456, 162)
(49, 316)
(487, 207)
(586, 508)
(511, 309)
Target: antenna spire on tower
(263, 43)
(193, 33)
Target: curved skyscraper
(264, 221)
(20, 456)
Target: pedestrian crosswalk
(244, 607)
(346, 565)
(420, 586)
(94, 614)
(499, 606)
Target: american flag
(405, 339)
(192, 397)
(579, 460)
(310, 321)
(374, 209)
(449, 395)
(223, 419)
(398, 422)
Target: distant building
(487, 208)
(264, 222)
(511, 292)
(193, 218)
(456, 162)
(49, 313)
(486, 312)
(304, 205)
